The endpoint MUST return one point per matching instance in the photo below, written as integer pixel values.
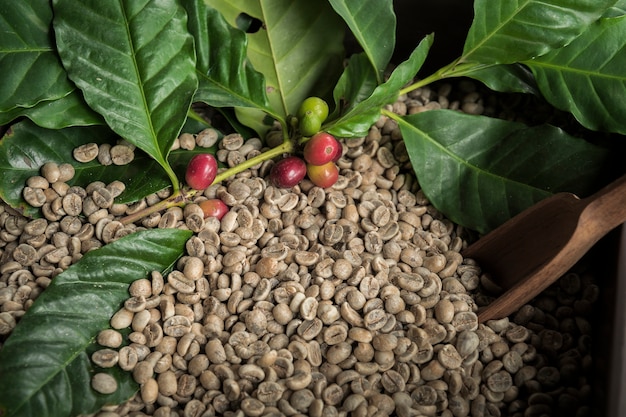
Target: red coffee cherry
(201, 171)
(288, 172)
(323, 175)
(321, 148)
(213, 208)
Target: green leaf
(618, 9)
(298, 47)
(358, 119)
(505, 32)
(588, 77)
(356, 84)
(233, 117)
(26, 147)
(226, 78)
(44, 366)
(479, 171)
(30, 67)
(506, 78)
(67, 111)
(373, 24)
(135, 63)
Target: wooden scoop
(535, 248)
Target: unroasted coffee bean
(269, 392)
(449, 357)
(181, 283)
(308, 308)
(34, 196)
(458, 405)
(267, 267)
(385, 342)
(122, 154)
(7, 323)
(339, 352)
(333, 394)
(444, 311)
(298, 381)
(104, 383)
(127, 358)
(256, 321)
(375, 319)
(512, 362)
(466, 320)
(392, 381)
(153, 334)
(86, 153)
(252, 407)
(215, 351)
(105, 358)
(25, 254)
(143, 371)
(176, 326)
(309, 329)
(149, 391)
(122, 319)
(500, 381)
(335, 334)
(187, 385)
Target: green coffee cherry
(316, 106)
(309, 124)
(311, 114)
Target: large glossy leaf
(506, 78)
(135, 63)
(226, 78)
(26, 147)
(505, 32)
(588, 77)
(618, 9)
(358, 119)
(373, 24)
(70, 110)
(481, 171)
(298, 47)
(30, 67)
(44, 366)
(357, 83)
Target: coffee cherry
(314, 106)
(311, 114)
(338, 153)
(201, 171)
(213, 208)
(321, 148)
(288, 172)
(309, 125)
(323, 175)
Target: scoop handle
(605, 210)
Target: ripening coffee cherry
(311, 114)
(288, 172)
(213, 208)
(321, 148)
(323, 175)
(201, 171)
(338, 153)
